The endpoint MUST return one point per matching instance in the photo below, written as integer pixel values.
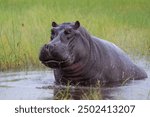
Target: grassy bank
(25, 26)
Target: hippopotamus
(80, 58)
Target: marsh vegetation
(25, 26)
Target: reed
(25, 26)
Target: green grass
(77, 93)
(25, 26)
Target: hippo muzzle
(46, 56)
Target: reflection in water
(23, 85)
(39, 85)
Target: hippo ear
(54, 24)
(76, 25)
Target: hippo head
(65, 45)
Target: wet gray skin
(39, 85)
(80, 58)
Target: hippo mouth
(54, 63)
(51, 63)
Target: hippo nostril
(54, 45)
(51, 47)
(46, 46)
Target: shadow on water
(40, 85)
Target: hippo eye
(67, 31)
(52, 32)
(51, 38)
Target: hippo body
(79, 58)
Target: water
(24, 85)
(39, 85)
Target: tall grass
(77, 93)
(25, 26)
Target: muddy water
(38, 85)
(24, 85)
